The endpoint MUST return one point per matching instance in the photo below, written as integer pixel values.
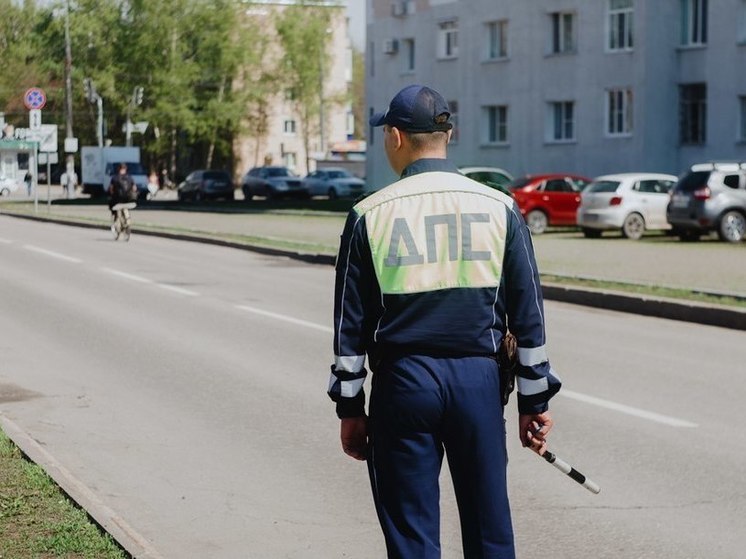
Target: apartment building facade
(577, 86)
(283, 144)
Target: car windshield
(216, 175)
(341, 174)
(279, 172)
(603, 186)
(693, 181)
(520, 183)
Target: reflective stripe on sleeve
(350, 363)
(529, 387)
(530, 356)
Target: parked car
(551, 199)
(630, 202)
(710, 197)
(491, 176)
(8, 185)
(272, 182)
(334, 182)
(206, 185)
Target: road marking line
(179, 290)
(629, 410)
(127, 276)
(53, 254)
(286, 318)
(6, 241)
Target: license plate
(680, 201)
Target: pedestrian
(69, 183)
(431, 271)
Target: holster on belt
(507, 360)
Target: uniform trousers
(421, 407)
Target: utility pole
(93, 97)
(70, 157)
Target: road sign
(46, 136)
(34, 98)
(34, 119)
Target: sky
(356, 13)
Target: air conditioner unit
(390, 46)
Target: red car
(548, 199)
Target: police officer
(431, 271)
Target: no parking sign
(34, 98)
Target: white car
(8, 185)
(334, 182)
(630, 202)
(491, 176)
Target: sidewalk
(708, 266)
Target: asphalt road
(184, 385)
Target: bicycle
(122, 222)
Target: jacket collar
(428, 165)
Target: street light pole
(70, 157)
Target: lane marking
(125, 275)
(53, 254)
(6, 241)
(286, 318)
(140, 279)
(176, 289)
(629, 410)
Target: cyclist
(122, 196)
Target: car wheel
(332, 194)
(732, 227)
(633, 226)
(537, 222)
(591, 233)
(247, 195)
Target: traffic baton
(565, 468)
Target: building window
(497, 40)
(561, 121)
(289, 127)
(408, 45)
(693, 113)
(448, 39)
(496, 122)
(453, 106)
(693, 22)
(621, 14)
(563, 33)
(619, 112)
(742, 127)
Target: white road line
(53, 254)
(179, 290)
(6, 242)
(126, 275)
(140, 279)
(629, 410)
(286, 318)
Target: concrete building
(576, 86)
(284, 143)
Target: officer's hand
(354, 436)
(533, 430)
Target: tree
(304, 34)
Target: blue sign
(34, 98)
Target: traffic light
(90, 90)
(139, 90)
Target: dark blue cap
(416, 108)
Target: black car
(206, 185)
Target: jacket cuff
(351, 407)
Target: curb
(127, 537)
(672, 309)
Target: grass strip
(38, 520)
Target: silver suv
(710, 197)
